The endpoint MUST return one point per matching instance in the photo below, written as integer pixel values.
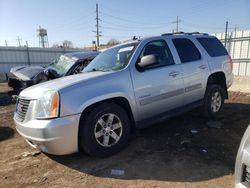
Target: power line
(134, 27)
(129, 21)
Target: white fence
(16, 56)
(238, 45)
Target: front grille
(21, 108)
(246, 176)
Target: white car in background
(242, 166)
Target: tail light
(231, 62)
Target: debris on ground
(117, 172)
(204, 151)
(27, 154)
(44, 179)
(214, 124)
(185, 141)
(194, 131)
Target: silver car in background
(242, 165)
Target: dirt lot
(185, 151)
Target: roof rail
(196, 33)
(183, 33)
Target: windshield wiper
(94, 70)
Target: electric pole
(177, 23)
(98, 35)
(6, 43)
(226, 34)
(19, 39)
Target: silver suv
(133, 84)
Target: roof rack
(183, 33)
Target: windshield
(62, 64)
(112, 59)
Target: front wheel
(104, 130)
(213, 100)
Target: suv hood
(34, 92)
(26, 73)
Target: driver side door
(158, 88)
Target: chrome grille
(246, 176)
(21, 108)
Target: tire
(213, 101)
(101, 138)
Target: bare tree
(113, 42)
(67, 44)
(56, 45)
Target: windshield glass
(112, 59)
(62, 64)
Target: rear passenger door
(194, 67)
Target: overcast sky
(120, 19)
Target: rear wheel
(105, 130)
(213, 100)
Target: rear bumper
(54, 136)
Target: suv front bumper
(57, 136)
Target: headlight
(47, 106)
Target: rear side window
(213, 46)
(187, 50)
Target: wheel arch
(119, 100)
(220, 79)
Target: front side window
(160, 49)
(112, 59)
(186, 49)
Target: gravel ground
(186, 151)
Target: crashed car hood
(26, 73)
(36, 91)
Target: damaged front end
(26, 76)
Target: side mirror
(147, 61)
(50, 73)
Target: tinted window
(187, 50)
(161, 50)
(213, 46)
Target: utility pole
(6, 43)
(226, 34)
(19, 39)
(28, 53)
(98, 35)
(177, 23)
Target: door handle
(203, 66)
(173, 73)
